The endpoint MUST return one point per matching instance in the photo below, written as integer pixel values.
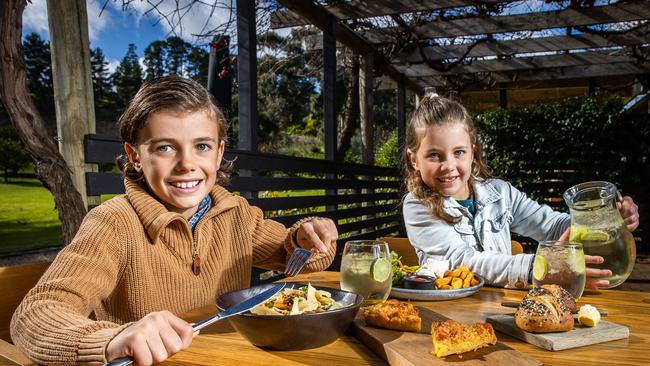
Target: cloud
(187, 20)
(35, 18)
(112, 65)
(96, 23)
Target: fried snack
(393, 314)
(540, 312)
(450, 337)
(460, 277)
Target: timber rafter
(456, 46)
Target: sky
(113, 29)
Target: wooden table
(220, 344)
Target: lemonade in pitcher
(597, 224)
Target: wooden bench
(15, 282)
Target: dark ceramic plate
(292, 332)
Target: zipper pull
(196, 264)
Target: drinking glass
(560, 263)
(366, 270)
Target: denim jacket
(482, 241)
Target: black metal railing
(363, 200)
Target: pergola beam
(522, 63)
(520, 46)
(615, 13)
(359, 9)
(319, 17)
(560, 73)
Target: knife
(237, 309)
(514, 304)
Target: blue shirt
(468, 204)
(204, 206)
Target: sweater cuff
(92, 347)
(291, 244)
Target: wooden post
(329, 81)
(503, 96)
(366, 79)
(329, 112)
(73, 88)
(247, 78)
(247, 74)
(401, 119)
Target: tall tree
(176, 57)
(128, 76)
(286, 85)
(154, 59)
(198, 61)
(50, 167)
(38, 63)
(102, 86)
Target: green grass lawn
(28, 219)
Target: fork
(297, 260)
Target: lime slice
(380, 269)
(595, 235)
(539, 268)
(577, 234)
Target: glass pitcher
(597, 224)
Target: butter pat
(588, 316)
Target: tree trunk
(51, 168)
(351, 112)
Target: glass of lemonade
(366, 270)
(560, 263)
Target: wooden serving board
(580, 336)
(413, 349)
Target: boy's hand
(630, 212)
(152, 339)
(318, 233)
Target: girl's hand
(593, 283)
(152, 339)
(318, 233)
(630, 212)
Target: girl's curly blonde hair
(435, 111)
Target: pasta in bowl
(295, 301)
(309, 329)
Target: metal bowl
(292, 332)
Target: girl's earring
(137, 167)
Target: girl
(456, 211)
(174, 242)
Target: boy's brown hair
(174, 93)
(435, 110)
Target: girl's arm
(531, 219)
(440, 240)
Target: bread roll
(540, 312)
(564, 296)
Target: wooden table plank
(221, 344)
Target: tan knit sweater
(132, 256)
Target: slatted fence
(363, 200)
